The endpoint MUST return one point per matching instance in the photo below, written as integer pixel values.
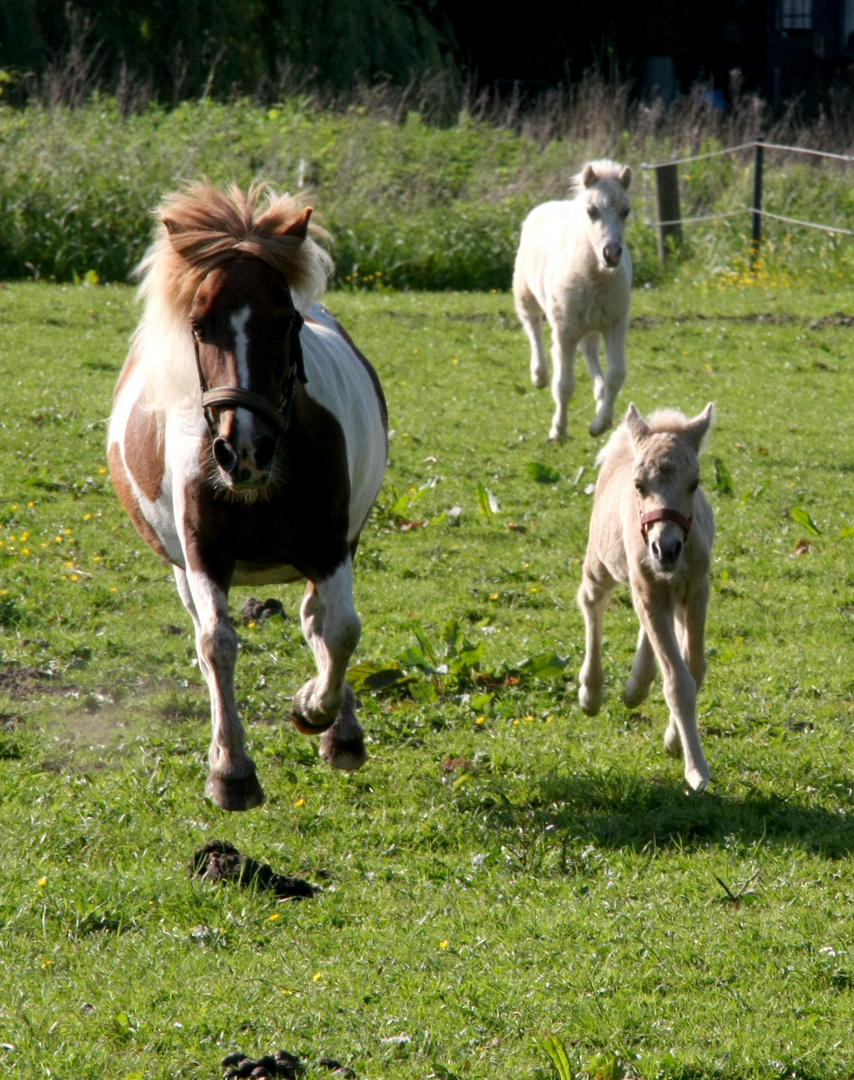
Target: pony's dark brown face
(242, 320)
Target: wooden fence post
(669, 213)
(756, 228)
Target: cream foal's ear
(588, 175)
(625, 177)
(638, 428)
(698, 429)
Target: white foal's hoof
(599, 425)
(540, 377)
(672, 741)
(698, 779)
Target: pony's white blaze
(649, 470)
(314, 460)
(573, 268)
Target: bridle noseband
(234, 397)
(663, 515)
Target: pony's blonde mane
(659, 422)
(201, 228)
(605, 169)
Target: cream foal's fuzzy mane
(605, 169)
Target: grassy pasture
(503, 867)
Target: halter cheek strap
(663, 515)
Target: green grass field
(504, 867)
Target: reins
(663, 515)
(234, 397)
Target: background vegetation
(411, 203)
(503, 867)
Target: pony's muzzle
(667, 547)
(612, 253)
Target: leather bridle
(663, 515)
(234, 397)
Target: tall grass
(413, 199)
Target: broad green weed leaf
(543, 474)
(543, 665)
(803, 518)
(846, 532)
(486, 501)
(557, 1053)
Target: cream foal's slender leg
(531, 317)
(232, 783)
(326, 704)
(592, 598)
(680, 693)
(643, 672)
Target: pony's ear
(625, 177)
(172, 227)
(636, 424)
(299, 228)
(588, 176)
(698, 429)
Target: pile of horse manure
(279, 1064)
(220, 861)
(259, 610)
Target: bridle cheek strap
(663, 515)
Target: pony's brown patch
(127, 497)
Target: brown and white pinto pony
(653, 528)
(247, 442)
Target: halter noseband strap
(663, 515)
(234, 397)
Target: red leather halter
(663, 515)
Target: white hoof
(634, 693)
(600, 424)
(672, 741)
(540, 377)
(590, 700)
(698, 779)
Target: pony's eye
(196, 327)
(593, 213)
(639, 488)
(694, 486)
(625, 213)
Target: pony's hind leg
(592, 599)
(232, 783)
(643, 672)
(326, 704)
(614, 377)
(590, 352)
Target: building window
(796, 14)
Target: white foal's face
(666, 479)
(606, 205)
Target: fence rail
(669, 220)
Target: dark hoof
(242, 794)
(305, 727)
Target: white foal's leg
(531, 318)
(680, 693)
(563, 380)
(615, 375)
(326, 704)
(590, 352)
(592, 598)
(232, 783)
(643, 672)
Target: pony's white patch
(563, 273)
(241, 344)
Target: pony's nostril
(224, 455)
(612, 253)
(265, 448)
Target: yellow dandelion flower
(443, 944)
(317, 977)
(300, 802)
(101, 471)
(481, 720)
(274, 916)
(87, 517)
(74, 577)
(42, 881)
(493, 596)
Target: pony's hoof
(306, 727)
(634, 694)
(241, 794)
(343, 746)
(672, 742)
(698, 779)
(557, 435)
(599, 426)
(540, 378)
(590, 700)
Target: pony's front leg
(531, 317)
(326, 704)
(563, 380)
(643, 672)
(680, 693)
(615, 375)
(232, 783)
(590, 352)
(592, 598)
